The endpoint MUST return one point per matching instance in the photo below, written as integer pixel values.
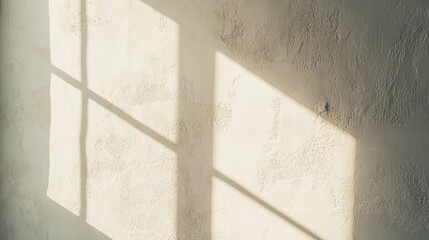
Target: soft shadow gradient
(391, 177)
(367, 87)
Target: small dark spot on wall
(327, 107)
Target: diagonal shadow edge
(70, 223)
(264, 204)
(157, 137)
(276, 80)
(114, 109)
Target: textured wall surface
(202, 119)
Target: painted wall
(244, 119)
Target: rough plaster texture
(244, 119)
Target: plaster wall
(245, 119)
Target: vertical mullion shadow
(84, 112)
(195, 137)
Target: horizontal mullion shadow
(264, 204)
(172, 146)
(114, 109)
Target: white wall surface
(244, 119)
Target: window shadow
(305, 50)
(25, 209)
(195, 137)
(391, 168)
(84, 110)
(264, 204)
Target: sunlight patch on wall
(66, 105)
(64, 149)
(284, 155)
(131, 179)
(65, 36)
(131, 62)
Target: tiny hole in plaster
(325, 108)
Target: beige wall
(148, 119)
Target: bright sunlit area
(114, 91)
(279, 168)
(214, 120)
